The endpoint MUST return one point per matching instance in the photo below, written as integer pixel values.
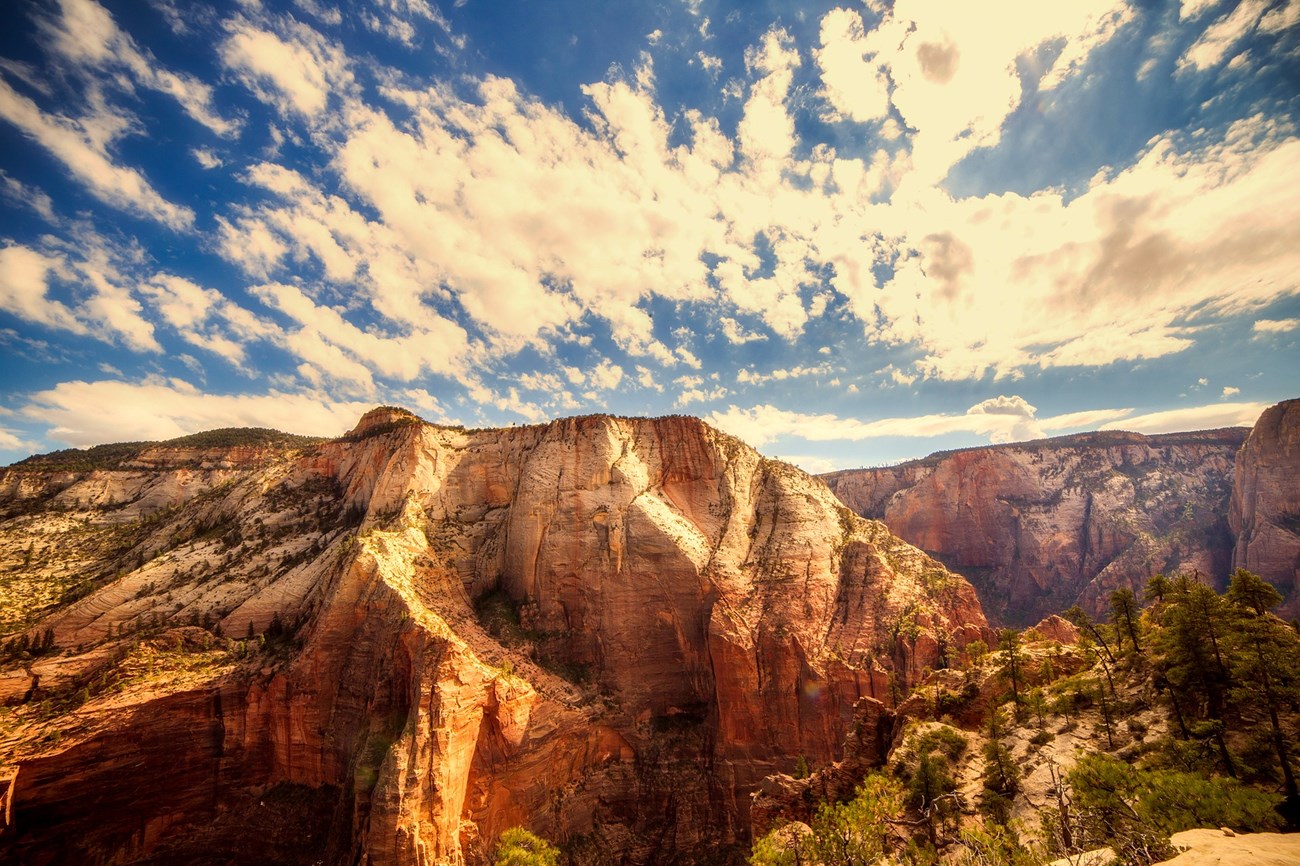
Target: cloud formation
(793, 239)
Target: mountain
(1039, 526)
(391, 647)
(1265, 513)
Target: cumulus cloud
(949, 67)
(105, 306)
(1183, 234)
(295, 69)
(853, 82)
(24, 289)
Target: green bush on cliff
(518, 847)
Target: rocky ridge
(1040, 526)
(295, 639)
(1265, 512)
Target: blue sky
(848, 232)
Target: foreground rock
(1206, 847)
(1040, 526)
(391, 647)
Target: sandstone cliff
(388, 648)
(1265, 513)
(1039, 526)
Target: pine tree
(1009, 644)
(1124, 614)
(1265, 662)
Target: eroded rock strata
(1040, 526)
(390, 647)
(1265, 514)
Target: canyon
(1040, 526)
(390, 647)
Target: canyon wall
(1040, 526)
(391, 647)
(1265, 514)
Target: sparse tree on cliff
(1124, 614)
(518, 847)
(1009, 644)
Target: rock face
(1039, 526)
(1265, 513)
(607, 630)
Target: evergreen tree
(1124, 614)
(1190, 648)
(1009, 644)
(1265, 655)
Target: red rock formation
(1060, 630)
(715, 616)
(1265, 515)
(1039, 526)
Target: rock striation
(393, 646)
(1040, 526)
(1265, 514)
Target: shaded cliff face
(1039, 526)
(1265, 513)
(398, 644)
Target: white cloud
(24, 289)
(1191, 9)
(812, 464)
(90, 413)
(646, 377)
(606, 375)
(853, 82)
(952, 66)
(1194, 418)
(23, 194)
(9, 441)
(1274, 326)
(1086, 419)
(1220, 37)
(205, 318)
(749, 377)
(1281, 18)
(206, 158)
(440, 349)
(1003, 405)
(296, 69)
(709, 63)
(1001, 419)
(86, 35)
(1201, 234)
(547, 382)
(82, 146)
(1230, 391)
(737, 334)
(510, 402)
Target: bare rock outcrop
(1039, 526)
(1265, 514)
(682, 618)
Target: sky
(849, 233)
